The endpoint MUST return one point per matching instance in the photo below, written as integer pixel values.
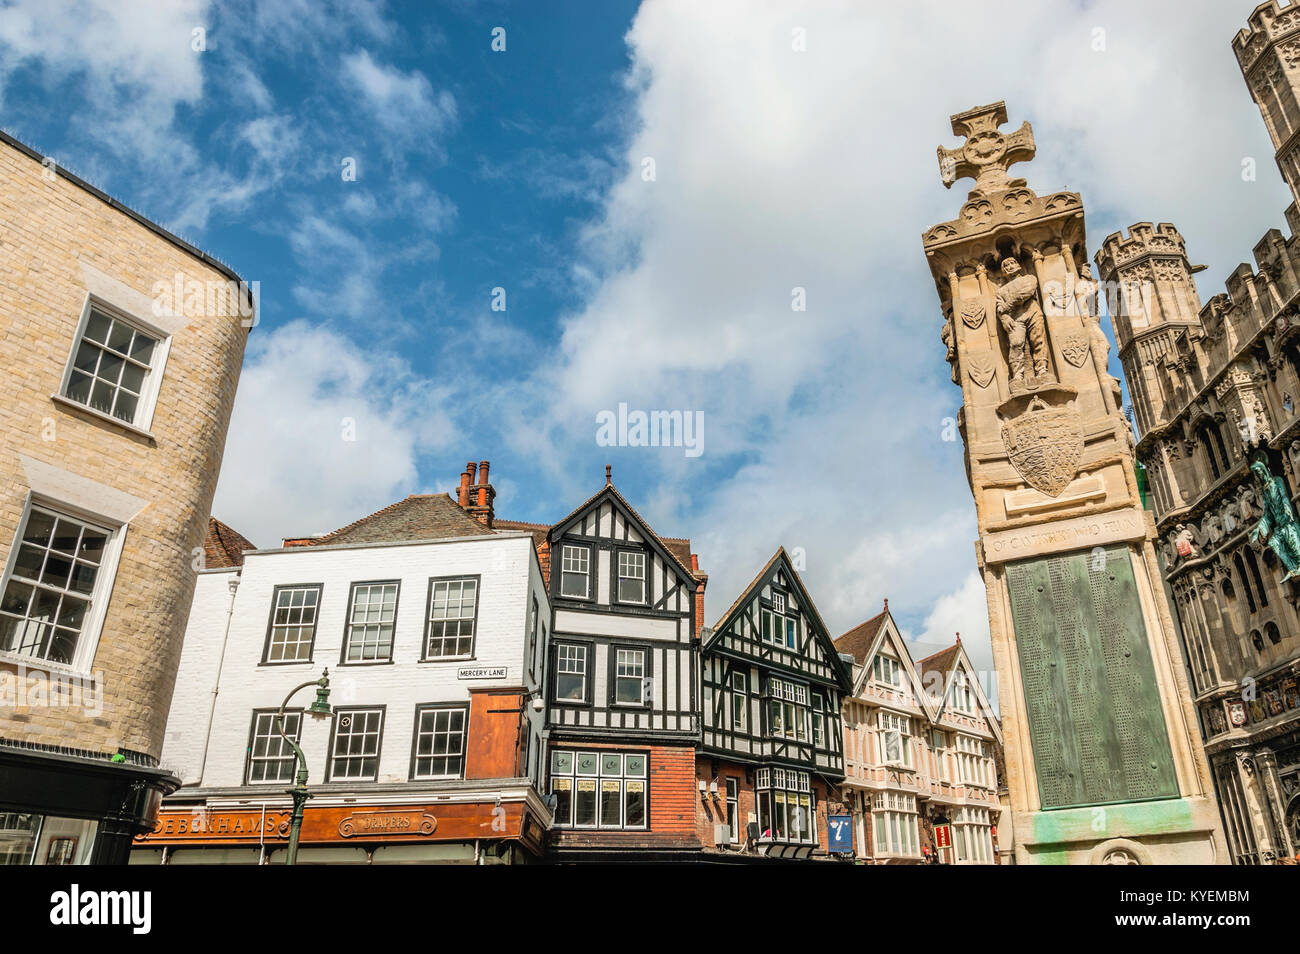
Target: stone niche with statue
(1095, 705)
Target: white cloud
(775, 169)
(290, 468)
(404, 104)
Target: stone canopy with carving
(996, 198)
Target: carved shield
(972, 312)
(980, 369)
(1045, 445)
(1076, 349)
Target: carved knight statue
(1022, 319)
(1277, 525)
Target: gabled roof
(223, 546)
(418, 517)
(946, 662)
(674, 553)
(858, 641)
(864, 641)
(805, 603)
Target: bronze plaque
(1094, 711)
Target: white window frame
(92, 631)
(144, 411)
(739, 685)
(899, 728)
(586, 657)
(895, 678)
(632, 556)
(435, 710)
(585, 571)
(894, 821)
(634, 660)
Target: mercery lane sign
(481, 672)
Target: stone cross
(987, 153)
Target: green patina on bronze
(1091, 699)
(1278, 526)
(1111, 821)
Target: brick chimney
(466, 479)
(703, 580)
(479, 493)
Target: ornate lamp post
(320, 708)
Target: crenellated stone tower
(1101, 758)
(1268, 52)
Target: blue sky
(776, 168)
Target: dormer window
(887, 671)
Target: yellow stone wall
(50, 227)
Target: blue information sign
(839, 829)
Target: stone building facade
(1096, 712)
(1214, 387)
(122, 349)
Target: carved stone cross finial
(987, 153)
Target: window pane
(584, 803)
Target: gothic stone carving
(1022, 319)
(980, 369)
(1076, 349)
(1045, 444)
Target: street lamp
(318, 709)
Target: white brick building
(433, 629)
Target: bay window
(894, 820)
(895, 738)
(972, 835)
(606, 790)
(787, 709)
(787, 808)
(972, 766)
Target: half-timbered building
(622, 677)
(920, 740)
(771, 755)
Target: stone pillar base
(1177, 831)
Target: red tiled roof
(859, 640)
(223, 546)
(941, 661)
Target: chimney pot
(695, 562)
(472, 468)
(483, 472)
(462, 495)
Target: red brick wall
(710, 811)
(672, 801)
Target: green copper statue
(1278, 525)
